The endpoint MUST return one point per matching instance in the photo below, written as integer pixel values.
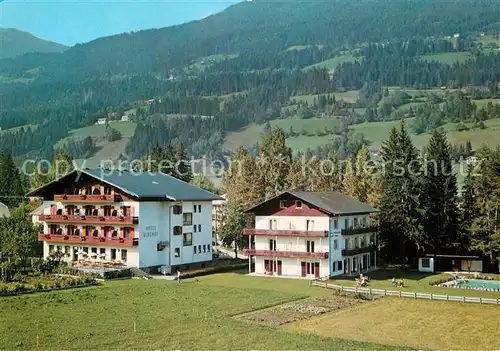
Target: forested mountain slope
(14, 42)
(241, 66)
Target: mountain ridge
(14, 42)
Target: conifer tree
(274, 162)
(11, 185)
(62, 164)
(325, 174)
(182, 164)
(485, 228)
(297, 178)
(440, 220)
(399, 203)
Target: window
(107, 190)
(282, 203)
(335, 223)
(124, 255)
(355, 222)
(187, 239)
(309, 225)
(71, 229)
(67, 249)
(426, 263)
(310, 246)
(204, 248)
(194, 228)
(346, 223)
(102, 251)
(363, 221)
(59, 248)
(113, 254)
(199, 208)
(199, 248)
(298, 204)
(335, 244)
(177, 230)
(177, 252)
(53, 229)
(187, 218)
(339, 265)
(93, 250)
(107, 210)
(208, 247)
(194, 249)
(127, 231)
(194, 208)
(199, 227)
(89, 210)
(177, 209)
(272, 245)
(272, 224)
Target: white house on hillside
(312, 235)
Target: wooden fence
(400, 293)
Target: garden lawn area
(414, 282)
(448, 57)
(437, 325)
(196, 314)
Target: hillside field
(448, 57)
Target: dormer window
(298, 204)
(282, 203)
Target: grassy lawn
(448, 57)
(414, 323)
(332, 63)
(196, 314)
(414, 282)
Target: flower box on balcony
(47, 217)
(122, 219)
(121, 240)
(65, 197)
(102, 239)
(102, 218)
(65, 217)
(84, 197)
(83, 218)
(47, 236)
(103, 197)
(83, 238)
(66, 237)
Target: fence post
(356, 289)
(481, 300)
(370, 293)
(447, 298)
(431, 296)
(399, 293)
(415, 296)
(342, 288)
(463, 298)
(385, 292)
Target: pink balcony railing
(271, 232)
(299, 254)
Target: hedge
(212, 270)
(39, 285)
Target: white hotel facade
(312, 235)
(133, 220)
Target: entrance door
(267, 266)
(279, 267)
(316, 269)
(303, 269)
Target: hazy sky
(77, 21)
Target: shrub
(124, 273)
(442, 280)
(212, 270)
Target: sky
(78, 21)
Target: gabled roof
(145, 185)
(331, 202)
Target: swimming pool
(477, 284)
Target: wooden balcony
(77, 219)
(362, 230)
(88, 240)
(101, 199)
(359, 250)
(292, 254)
(301, 233)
